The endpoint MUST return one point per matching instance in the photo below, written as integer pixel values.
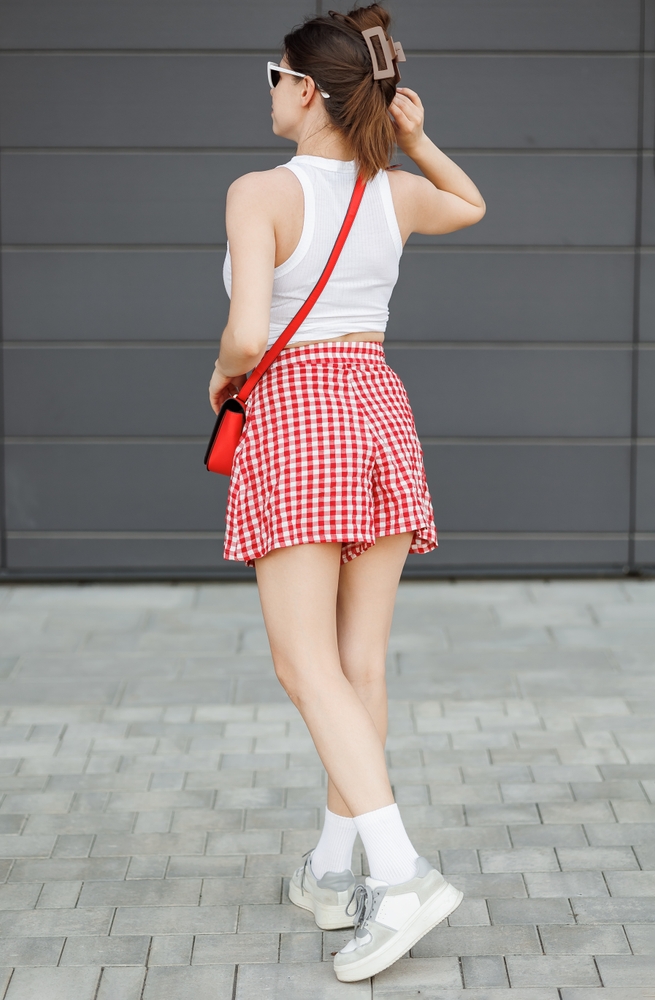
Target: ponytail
(332, 50)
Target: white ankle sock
(334, 851)
(391, 856)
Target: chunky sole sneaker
(327, 897)
(390, 919)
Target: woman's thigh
(298, 593)
(365, 603)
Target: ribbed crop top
(356, 298)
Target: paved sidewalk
(157, 789)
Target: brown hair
(334, 53)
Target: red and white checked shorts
(329, 454)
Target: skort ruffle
(329, 454)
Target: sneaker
(390, 919)
(326, 897)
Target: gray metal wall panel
(175, 100)
(179, 198)
(561, 199)
(472, 392)
(647, 297)
(109, 391)
(515, 24)
(152, 223)
(122, 486)
(523, 295)
(502, 393)
(162, 486)
(646, 487)
(41, 553)
(509, 553)
(529, 486)
(441, 295)
(114, 295)
(149, 24)
(648, 208)
(646, 395)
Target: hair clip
(391, 51)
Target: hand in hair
(408, 117)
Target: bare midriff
(373, 336)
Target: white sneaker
(326, 897)
(390, 919)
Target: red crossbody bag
(232, 414)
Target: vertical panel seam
(3, 524)
(636, 304)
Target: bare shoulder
(263, 187)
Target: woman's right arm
(250, 228)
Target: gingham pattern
(329, 454)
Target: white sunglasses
(273, 71)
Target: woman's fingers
(411, 95)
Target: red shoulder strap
(306, 308)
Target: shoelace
(362, 897)
(307, 856)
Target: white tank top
(356, 298)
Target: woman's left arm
(251, 232)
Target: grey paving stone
(609, 993)
(177, 983)
(26, 846)
(633, 970)
(606, 940)
(614, 911)
(552, 835)
(55, 984)
(50, 923)
(89, 951)
(641, 938)
(141, 892)
(605, 834)
(136, 920)
(242, 949)
(204, 867)
(37, 951)
(555, 970)
(290, 981)
(530, 911)
(68, 869)
(171, 949)
(59, 895)
(441, 973)
(250, 842)
(631, 883)
(609, 858)
(520, 859)
(124, 844)
(484, 970)
(459, 860)
(495, 940)
(221, 891)
(566, 884)
(295, 948)
(255, 919)
(19, 896)
(73, 846)
(504, 885)
(121, 983)
(470, 913)
(151, 866)
(487, 815)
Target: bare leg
(365, 603)
(299, 588)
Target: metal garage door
(523, 341)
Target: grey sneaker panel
(339, 881)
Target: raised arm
(444, 199)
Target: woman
(328, 492)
